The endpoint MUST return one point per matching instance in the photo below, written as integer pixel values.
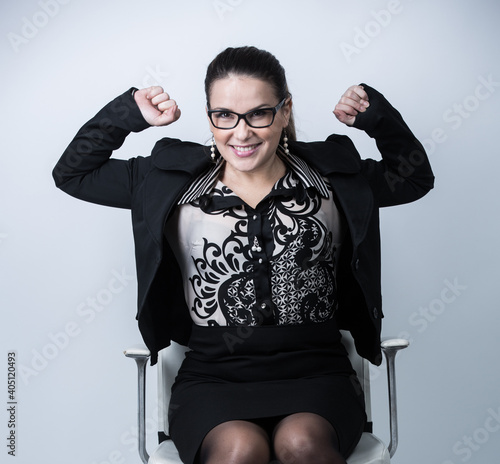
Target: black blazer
(151, 186)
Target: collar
(336, 155)
(308, 177)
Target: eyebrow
(264, 105)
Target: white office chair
(370, 449)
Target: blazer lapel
(338, 159)
(178, 163)
(175, 155)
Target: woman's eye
(258, 114)
(224, 115)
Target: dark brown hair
(251, 62)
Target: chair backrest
(362, 368)
(170, 359)
(169, 362)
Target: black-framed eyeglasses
(258, 118)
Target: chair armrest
(390, 348)
(141, 355)
(137, 351)
(394, 344)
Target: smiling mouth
(245, 149)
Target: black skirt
(249, 373)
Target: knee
(235, 443)
(245, 451)
(301, 455)
(237, 454)
(296, 449)
(304, 448)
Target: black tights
(296, 439)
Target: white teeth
(245, 149)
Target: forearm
(404, 174)
(99, 137)
(85, 168)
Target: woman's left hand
(354, 101)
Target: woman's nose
(242, 129)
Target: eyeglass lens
(258, 118)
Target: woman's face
(244, 148)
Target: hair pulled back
(250, 62)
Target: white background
(67, 315)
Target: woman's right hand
(156, 106)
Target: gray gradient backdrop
(67, 270)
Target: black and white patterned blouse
(274, 264)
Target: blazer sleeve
(404, 174)
(85, 169)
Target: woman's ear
(287, 111)
(208, 119)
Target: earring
(212, 149)
(285, 144)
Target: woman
(254, 252)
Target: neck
(253, 186)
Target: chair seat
(166, 453)
(370, 450)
